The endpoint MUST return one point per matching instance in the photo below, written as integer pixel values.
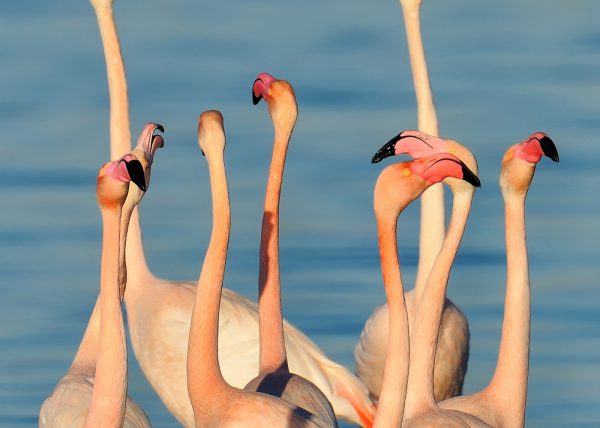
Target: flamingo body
(451, 357)
(159, 335)
(69, 403)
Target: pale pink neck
(120, 137)
(272, 346)
(390, 409)
(425, 331)
(87, 354)
(120, 144)
(204, 373)
(432, 201)
(509, 383)
(107, 406)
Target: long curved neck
(107, 406)
(390, 409)
(120, 135)
(509, 383)
(432, 201)
(425, 331)
(272, 346)
(204, 374)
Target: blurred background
(500, 70)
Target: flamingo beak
(256, 91)
(136, 173)
(389, 149)
(549, 148)
(470, 177)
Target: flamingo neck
(272, 346)
(390, 409)
(138, 272)
(120, 144)
(425, 331)
(107, 407)
(205, 380)
(509, 383)
(432, 201)
(87, 353)
(120, 137)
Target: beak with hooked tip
(470, 177)
(136, 173)
(549, 148)
(388, 149)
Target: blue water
(500, 70)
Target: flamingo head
(211, 133)
(113, 180)
(144, 152)
(410, 4)
(400, 184)
(97, 4)
(413, 143)
(419, 145)
(280, 96)
(520, 160)
(148, 143)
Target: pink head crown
(532, 148)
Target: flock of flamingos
(219, 360)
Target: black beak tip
(549, 149)
(202, 152)
(388, 149)
(470, 177)
(160, 127)
(255, 99)
(136, 173)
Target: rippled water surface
(500, 70)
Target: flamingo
(452, 365)
(159, 311)
(94, 390)
(502, 401)
(397, 186)
(453, 349)
(274, 377)
(215, 402)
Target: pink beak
(538, 144)
(260, 88)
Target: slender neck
(390, 409)
(272, 346)
(432, 201)
(107, 406)
(425, 331)
(204, 374)
(120, 138)
(87, 354)
(509, 382)
(124, 228)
